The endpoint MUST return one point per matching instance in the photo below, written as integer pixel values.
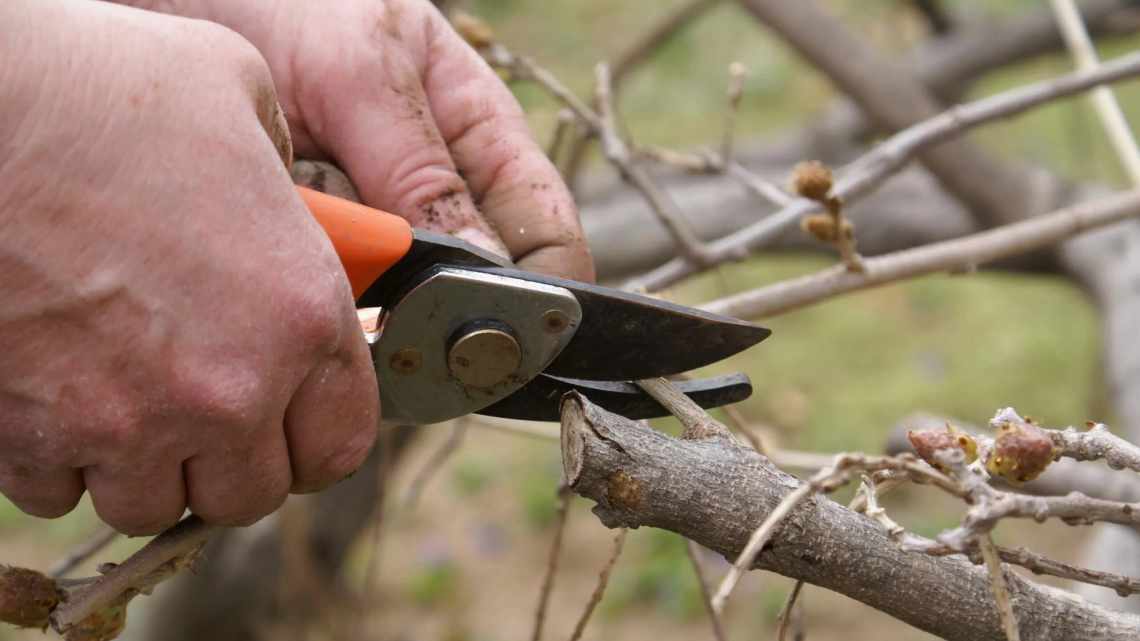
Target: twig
(81, 553)
(600, 588)
(658, 34)
(696, 421)
(698, 569)
(868, 172)
(516, 428)
(1104, 101)
(551, 562)
(736, 75)
(434, 463)
(1032, 561)
(137, 573)
(562, 131)
(524, 68)
(951, 255)
(826, 480)
(999, 587)
(617, 152)
(629, 60)
(1041, 564)
(737, 420)
(785, 615)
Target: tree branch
(868, 172)
(717, 492)
(958, 254)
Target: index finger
(512, 181)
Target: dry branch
(551, 563)
(868, 172)
(76, 557)
(952, 255)
(600, 588)
(138, 573)
(717, 492)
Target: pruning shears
(461, 331)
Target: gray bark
(716, 492)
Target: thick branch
(717, 492)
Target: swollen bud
(1021, 452)
(927, 442)
(27, 597)
(812, 179)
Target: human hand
(175, 328)
(388, 91)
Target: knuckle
(247, 505)
(111, 427)
(229, 395)
(134, 522)
(234, 51)
(22, 487)
(339, 465)
(316, 315)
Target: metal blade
(541, 398)
(625, 336)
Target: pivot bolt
(483, 358)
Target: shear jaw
(461, 340)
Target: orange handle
(368, 241)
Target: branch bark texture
(716, 492)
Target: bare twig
(868, 172)
(867, 502)
(600, 588)
(1103, 99)
(785, 616)
(826, 480)
(626, 62)
(81, 553)
(551, 562)
(706, 598)
(658, 34)
(696, 421)
(562, 131)
(517, 428)
(617, 152)
(999, 587)
(1041, 564)
(736, 75)
(953, 255)
(138, 573)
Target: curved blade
(626, 337)
(539, 399)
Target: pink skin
(175, 330)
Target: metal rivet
(406, 361)
(484, 357)
(555, 321)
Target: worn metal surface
(539, 399)
(625, 336)
(430, 320)
(564, 328)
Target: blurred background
(464, 560)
